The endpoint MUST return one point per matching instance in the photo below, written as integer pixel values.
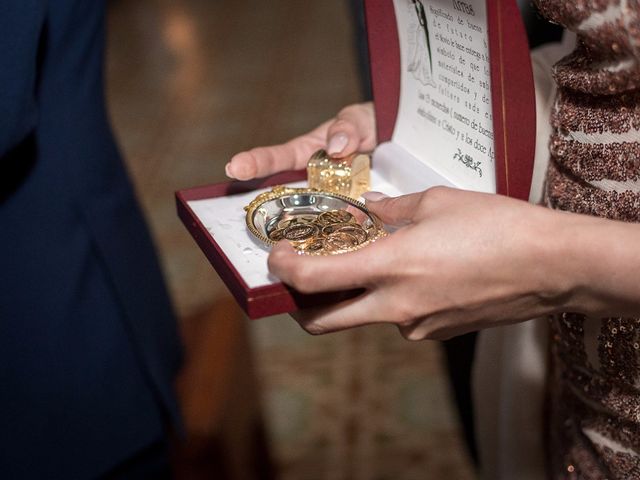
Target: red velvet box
(441, 118)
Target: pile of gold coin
(331, 232)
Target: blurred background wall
(191, 82)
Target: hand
(352, 130)
(461, 261)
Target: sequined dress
(594, 383)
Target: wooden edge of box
(513, 99)
(384, 63)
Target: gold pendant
(348, 176)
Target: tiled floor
(190, 83)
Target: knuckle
(348, 110)
(436, 194)
(342, 125)
(352, 115)
(392, 205)
(276, 260)
(404, 316)
(255, 154)
(301, 279)
(390, 202)
(358, 109)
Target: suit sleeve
(21, 24)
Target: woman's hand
(461, 261)
(352, 130)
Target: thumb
(352, 131)
(396, 211)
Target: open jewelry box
(445, 114)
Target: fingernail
(337, 143)
(374, 196)
(227, 170)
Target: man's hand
(352, 130)
(460, 261)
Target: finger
(396, 211)
(356, 312)
(263, 161)
(352, 131)
(374, 196)
(311, 274)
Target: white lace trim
(630, 136)
(599, 439)
(598, 19)
(617, 186)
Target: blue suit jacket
(88, 347)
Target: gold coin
(333, 227)
(312, 246)
(374, 232)
(300, 232)
(295, 220)
(355, 230)
(276, 235)
(339, 241)
(335, 216)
